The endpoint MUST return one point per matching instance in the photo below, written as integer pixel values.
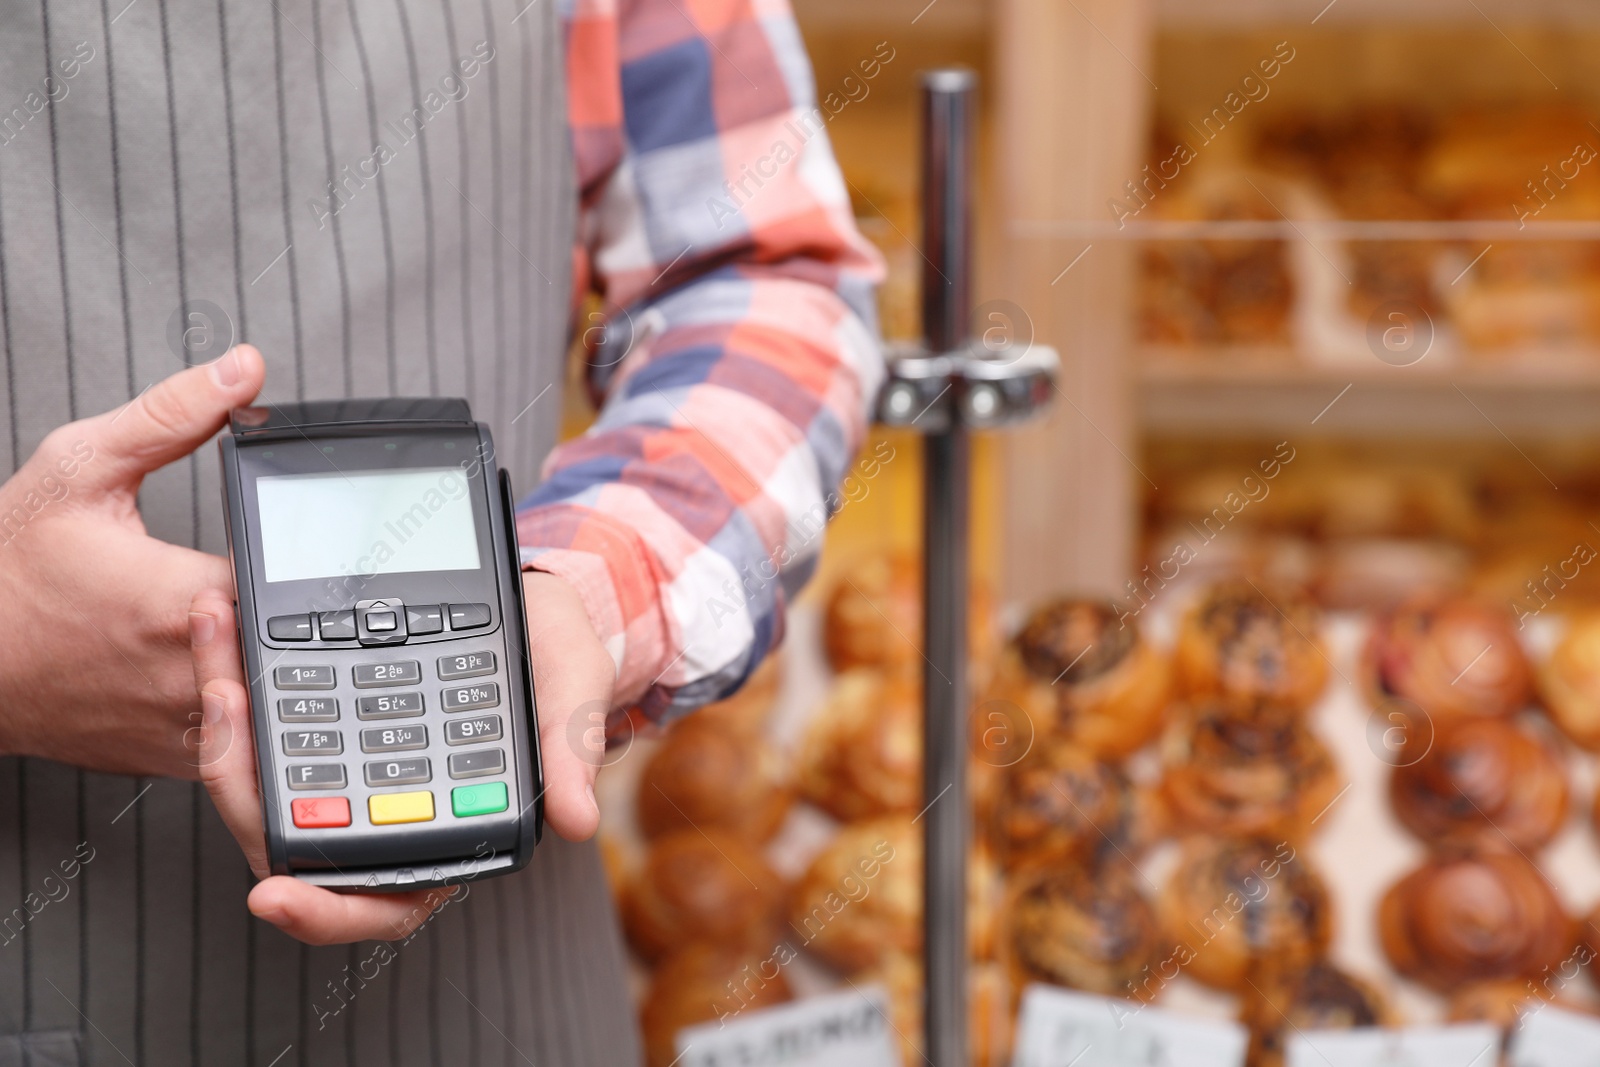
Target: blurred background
(1315, 502)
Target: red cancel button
(318, 813)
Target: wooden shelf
(1244, 392)
(1302, 12)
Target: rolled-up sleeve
(739, 360)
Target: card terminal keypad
(345, 771)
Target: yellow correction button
(386, 809)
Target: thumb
(172, 418)
(573, 676)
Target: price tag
(1468, 1045)
(838, 1030)
(1064, 1029)
(1550, 1037)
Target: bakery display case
(1284, 643)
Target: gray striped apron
(378, 194)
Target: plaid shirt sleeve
(740, 356)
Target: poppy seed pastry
(1241, 642)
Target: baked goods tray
(1361, 849)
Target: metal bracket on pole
(943, 388)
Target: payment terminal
(379, 601)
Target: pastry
(1569, 681)
(989, 1012)
(1241, 641)
(746, 711)
(861, 899)
(703, 983)
(1061, 805)
(1459, 919)
(1108, 686)
(706, 776)
(1320, 996)
(1484, 781)
(700, 886)
(1452, 656)
(861, 755)
(1244, 769)
(1083, 926)
(874, 618)
(1238, 904)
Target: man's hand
(573, 677)
(95, 670)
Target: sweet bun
(1465, 918)
(1084, 926)
(1240, 642)
(705, 776)
(1451, 656)
(1320, 996)
(1569, 681)
(1244, 769)
(861, 755)
(1238, 905)
(703, 983)
(861, 899)
(1483, 781)
(1108, 686)
(873, 618)
(700, 886)
(1062, 805)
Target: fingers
(225, 753)
(573, 678)
(320, 917)
(170, 419)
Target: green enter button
(485, 799)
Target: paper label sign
(1467, 1045)
(838, 1030)
(1550, 1037)
(1059, 1028)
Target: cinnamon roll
(1108, 687)
(1452, 656)
(1085, 926)
(704, 983)
(1484, 780)
(1238, 904)
(705, 776)
(1247, 769)
(1062, 805)
(1241, 641)
(1569, 681)
(861, 755)
(1319, 996)
(700, 886)
(1459, 919)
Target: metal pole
(946, 307)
